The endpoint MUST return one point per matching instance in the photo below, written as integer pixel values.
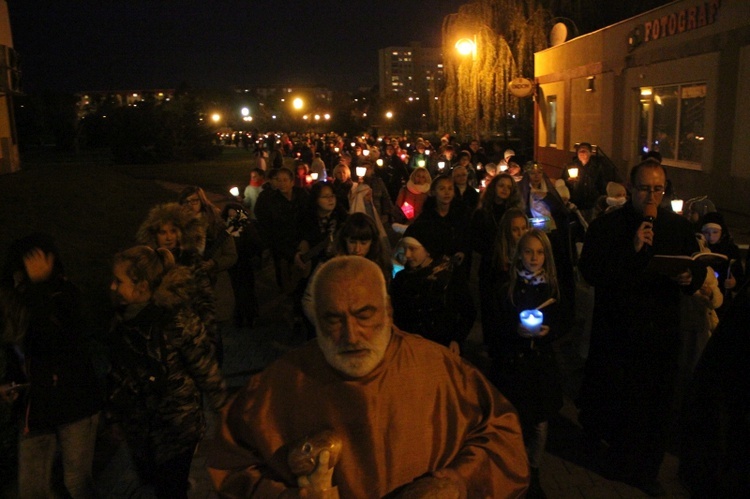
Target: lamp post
(466, 47)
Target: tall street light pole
(466, 47)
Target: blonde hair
(413, 175)
(548, 267)
(341, 167)
(146, 264)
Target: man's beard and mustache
(370, 353)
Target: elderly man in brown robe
(413, 419)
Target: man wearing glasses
(627, 390)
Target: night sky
(72, 46)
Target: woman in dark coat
(500, 195)
(429, 296)
(442, 207)
(64, 398)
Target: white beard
(356, 367)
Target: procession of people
(392, 252)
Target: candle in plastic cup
(314, 175)
(532, 320)
(573, 172)
(234, 191)
(441, 165)
(379, 162)
(420, 163)
(503, 168)
(361, 170)
(677, 205)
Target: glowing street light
(216, 117)
(245, 111)
(466, 46)
(389, 115)
(298, 103)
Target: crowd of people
(375, 244)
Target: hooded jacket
(163, 362)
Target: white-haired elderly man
(409, 416)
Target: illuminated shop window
(552, 120)
(671, 121)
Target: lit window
(552, 120)
(671, 121)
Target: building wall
(10, 159)
(416, 69)
(684, 43)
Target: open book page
(674, 265)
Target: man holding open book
(630, 371)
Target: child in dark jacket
(526, 371)
(719, 240)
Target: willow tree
(506, 34)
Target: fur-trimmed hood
(192, 229)
(177, 288)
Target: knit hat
(615, 190)
(714, 220)
(701, 206)
(433, 236)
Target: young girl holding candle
(526, 371)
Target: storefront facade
(675, 79)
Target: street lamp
(465, 47)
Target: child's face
(518, 227)
(712, 234)
(124, 290)
(532, 255)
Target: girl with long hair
(525, 370)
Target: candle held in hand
(532, 320)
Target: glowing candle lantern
(573, 172)
(421, 163)
(408, 210)
(314, 175)
(677, 205)
(361, 170)
(503, 168)
(441, 165)
(234, 191)
(309, 179)
(532, 320)
(379, 162)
